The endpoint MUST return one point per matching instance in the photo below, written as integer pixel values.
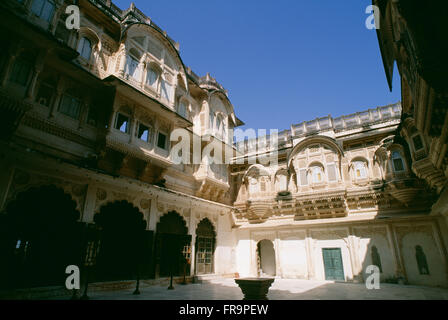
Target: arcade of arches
(41, 234)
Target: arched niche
(205, 247)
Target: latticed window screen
(205, 250)
(186, 251)
(332, 175)
(303, 177)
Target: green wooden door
(334, 269)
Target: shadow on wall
(419, 261)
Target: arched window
(133, 64)
(317, 174)
(360, 170)
(85, 48)
(44, 9)
(397, 161)
(152, 77)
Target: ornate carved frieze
(330, 234)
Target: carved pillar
(153, 215)
(192, 228)
(38, 67)
(59, 91)
(122, 65)
(278, 262)
(86, 105)
(88, 210)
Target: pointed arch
(313, 140)
(149, 27)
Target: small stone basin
(255, 288)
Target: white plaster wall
(436, 266)
(293, 258)
(243, 254)
(384, 251)
(225, 247)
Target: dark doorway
(334, 269)
(205, 247)
(173, 245)
(266, 258)
(40, 237)
(122, 246)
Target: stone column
(30, 93)
(59, 91)
(192, 228)
(153, 215)
(85, 109)
(88, 211)
(278, 263)
(122, 65)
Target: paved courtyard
(282, 289)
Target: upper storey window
(132, 67)
(21, 70)
(332, 172)
(219, 126)
(132, 64)
(122, 123)
(360, 170)
(85, 48)
(70, 105)
(397, 161)
(317, 174)
(417, 141)
(167, 90)
(211, 119)
(44, 9)
(152, 77)
(303, 177)
(144, 132)
(182, 109)
(46, 92)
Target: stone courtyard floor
(281, 289)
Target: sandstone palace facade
(88, 178)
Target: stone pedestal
(255, 288)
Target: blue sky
(282, 61)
